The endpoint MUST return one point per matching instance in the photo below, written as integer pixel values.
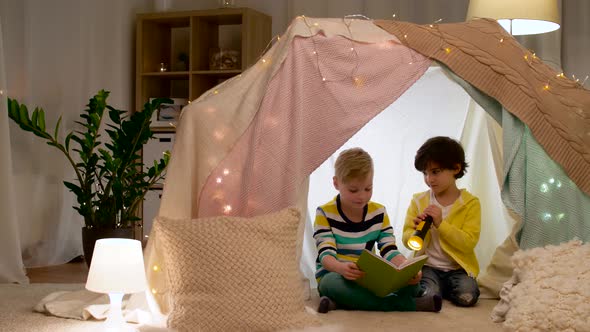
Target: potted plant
(111, 181)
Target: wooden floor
(70, 273)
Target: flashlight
(417, 239)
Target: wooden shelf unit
(161, 37)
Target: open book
(382, 277)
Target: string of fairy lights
(553, 184)
(314, 27)
(350, 38)
(533, 61)
(529, 56)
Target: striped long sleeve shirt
(337, 236)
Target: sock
(326, 304)
(431, 303)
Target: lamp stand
(115, 321)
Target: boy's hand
(435, 212)
(398, 259)
(419, 219)
(416, 279)
(350, 271)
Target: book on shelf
(383, 277)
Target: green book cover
(382, 277)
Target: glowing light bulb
(352, 48)
(547, 216)
(155, 268)
(552, 180)
(226, 171)
(358, 81)
(558, 184)
(316, 24)
(560, 216)
(447, 50)
(405, 36)
(314, 52)
(216, 92)
(263, 60)
(323, 79)
(501, 40)
(227, 209)
(526, 57)
(219, 135)
(546, 87)
(544, 188)
(1, 92)
(154, 291)
(218, 180)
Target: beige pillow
(552, 290)
(234, 274)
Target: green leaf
(34, 117)
(24, 116)
(41, 119)
(68, 138)
(56, 132)
(73, 188)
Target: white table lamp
(116, 269)
(518, 17)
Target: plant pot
(90, 235)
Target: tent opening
(434, 106)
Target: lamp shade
(519, 17)
(117, 267)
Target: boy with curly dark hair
(452, 266)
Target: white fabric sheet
(434, 106)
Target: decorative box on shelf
(224, 59)
(168, 114)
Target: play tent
(248, 146)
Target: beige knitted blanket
(555, 108)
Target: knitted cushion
(233, 274)
(553, 289)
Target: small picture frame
(168, 114)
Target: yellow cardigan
(459, 232)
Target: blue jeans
(455, 285)
(351, 296)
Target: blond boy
(344, 227)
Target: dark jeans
(455, 286)
(351, 296)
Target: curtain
(575, 41)
(11, 263)
(57, 55)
